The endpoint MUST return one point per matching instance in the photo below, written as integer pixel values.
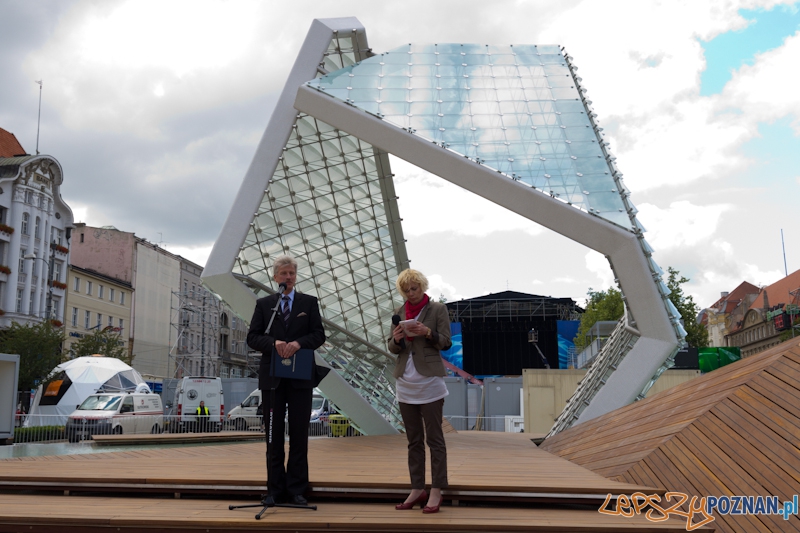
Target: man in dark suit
(297, 325)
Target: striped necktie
(285, 310)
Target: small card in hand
(298, 366)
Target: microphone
(282, 287)
(396, 322)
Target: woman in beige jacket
(418, 341)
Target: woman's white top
(415, 388)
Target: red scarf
(413, 310)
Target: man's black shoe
(298, 499)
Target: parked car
(116, 413)
(247, 415)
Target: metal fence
(53, 428)
(506, 423)
(56, 428)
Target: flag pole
(39, 119)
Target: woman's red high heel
(433, 508)
(406, 506)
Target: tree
(39, 348)
(601, 305)
(105, 342)
(696, 334)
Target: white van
(188, 395)
(121, 413)
(246, 415)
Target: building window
(56, 271)
(111, 321)
(110, 294)
(81, 237)
(86, 318)
(88, 288)
(25, 220)
(121, 298)
(185, 286)
(121, 325)
(100, 291)
(74, 317)
(36, 231)
(30, 303)
(99, 320)
(77, 284)
(19, 300)
(22, 253)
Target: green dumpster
(339, 425)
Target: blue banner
(455, 355)
(567, 329)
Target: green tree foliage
(105, 342)
(39, 348)
(696, 334)
(601, 305)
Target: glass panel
(502, 104)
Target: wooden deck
(734, 431)
(498, 482)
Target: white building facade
(35, 228)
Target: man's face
(288, 275)
(202, 404)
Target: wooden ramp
(498, 482)
(734, 431)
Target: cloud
(597, 264)
(429, 204)
(437, 286)
(130, 66)
(763, 90)
(681, 224)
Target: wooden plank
(477, 461)
(736, 479)
(749, 457)
(126, 514)
(778, 451)
(771, 415)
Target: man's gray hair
(282, 261)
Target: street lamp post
(49, 264)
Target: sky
(154, 110)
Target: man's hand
(286, 349)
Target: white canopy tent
(70, 383)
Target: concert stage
(498, 482)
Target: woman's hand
(417, 329)
(398, 334)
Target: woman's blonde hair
(409, 276)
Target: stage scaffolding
(511, 306)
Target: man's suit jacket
(305, 327)
(427, 356)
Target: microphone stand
(268, 501)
